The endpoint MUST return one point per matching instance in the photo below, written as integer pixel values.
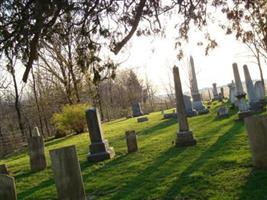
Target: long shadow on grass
(122, 158)
(256, 186)
(151, 129)
(30, 191)
(185, 179)
(151, 171)
(59, 140)
(163, 124)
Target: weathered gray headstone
(254, 103)
(188, 106)
(197, 102)
(184, 136)
(222, 112)
(259, 91)
(142, 119)
(37, 153)
(214, 90)
(131, 141)
(67, 173)
(3, 169)
(222, 92)
(7, 188)
(99, 148)
(170, 115)
(257, 135)
(240, 95)
(232, 94)
(216, 96)
(136, 109)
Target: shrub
(70, 119)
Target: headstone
(36, 153)
(259, 90)
(222, 112)
(131, 141)
(184, 136)
(222, 92)
(197, 102)
(257, 135)
(188, 106)
(240, 95)
(136, 109)
(216, 96)
(142, 119)
(3, 169)
(232, 94)
(7, 188)
(170, 115)
(99, 148)
(214, 90)
(67, 173)
(254, 103)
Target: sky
(155, 60)
(154, 57)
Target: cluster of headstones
(217, 96)
(255, 125)
(196, 106)
(64, 161)
(237, 96)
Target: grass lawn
(218, 167)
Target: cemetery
(200, 157)
(133, 100)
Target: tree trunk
(16, 103)
(37, 104)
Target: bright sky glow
(155, 58)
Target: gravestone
(214, 91)
(99, 147)
(184, 136)
(136, 109)
(131, 141)
(254, 103)
(259, 90)
(7, 188)
(216, 96)
(232, 94)
(188, 106)
(142, 119)
(170, 115)
(67, 173)
(222, 92)
(222, 112)
(197, 102)
(36, 153)
(3, 169)
(257, 135)
(240, 95)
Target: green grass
(218, 167)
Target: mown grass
(218, 167)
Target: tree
(11, 62)
(24, 25)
